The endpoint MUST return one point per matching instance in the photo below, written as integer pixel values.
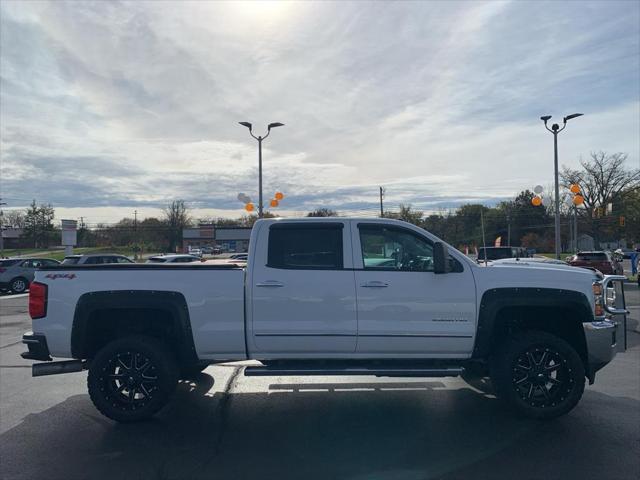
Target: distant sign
(69, 232)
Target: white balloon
(538, 189)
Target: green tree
(38, 224)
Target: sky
(111, 107)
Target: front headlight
(610, 296)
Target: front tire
(538, 374)
(132, 378)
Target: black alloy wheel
(132, 378)
(542, 377)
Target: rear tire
(538, 374)
(18, 285)
(132, 378)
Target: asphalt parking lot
(228, 426)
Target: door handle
(270, 283)
(375, 284)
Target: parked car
(17, 273)
(207, 250)
(603, 261)
(308, 303)
(95, 259)
(195, 251)
(240, 256)
(177, 258)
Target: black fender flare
(172, 302)
(496, 299)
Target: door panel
(303, 299)
(405, 308)
(304, 311)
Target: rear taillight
(37, 300)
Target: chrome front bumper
(601, 337)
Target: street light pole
(555, 129)
(260, 204)
(260, 139)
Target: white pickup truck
(335, 296)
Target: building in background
(12, 238)
(229, 239)
(233, 239)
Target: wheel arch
(104, 316)
(508, 310)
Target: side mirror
(441, 262)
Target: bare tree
(602, 180)
(323, 212)
(176, 217)
(13, 218)
(407, 214)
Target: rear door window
(96, 260)
(306, 247)
(593, 257)
(8, 263)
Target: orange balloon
(574, 188)
(536, 201)
(274, 202)
(578, 200)
(279, 195)
(249, 207)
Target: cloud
(114, 105)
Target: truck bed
(213, 296)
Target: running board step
(272, 371)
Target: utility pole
(508, 228)
(135, 233)
(381, 207)
(575, 227)
(555, 129)
(2, 229)
(81, 228)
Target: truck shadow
(387, 430)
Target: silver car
(95, 259)
(177, 258)
(17, 273)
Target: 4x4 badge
(53, 276)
